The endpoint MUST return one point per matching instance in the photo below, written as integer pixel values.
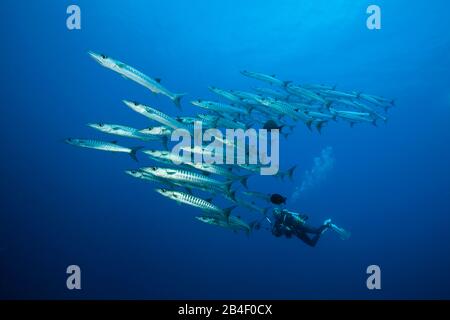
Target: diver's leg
(306, 239)
(317, 232)
(276, 231)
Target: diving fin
(343, 234)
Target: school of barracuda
(281, 105)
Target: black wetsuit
(287, 224)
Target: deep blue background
(61, 205)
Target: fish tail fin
(248, 125)
(164, 141)
(290, 172)
(134, 151)
(244, 180)
(309, 123)
(227, 212)
(228, 185)
(177, 99)
(319, 126)
(328, 104)
(254, 225)
(374, 122)
(233, 195)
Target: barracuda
(155, 115)
(233, 223)
(353, 117)
(220, 171)
(318, 87)
(339, 94)
(265, 77)
(274, 93)
(138, 174)
(243, 95)
(131, 73)
(187, 177)
(250, 205)
(225, 94)
(222, 122)
(188, 199)
(280, 107)
(320, 115)
(368, 109)
(260, 195)
(122, 131)
(156, 131)
(103, 145)
(305, 93)
(219, 107)
(165, 156)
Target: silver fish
(265, 77)
(184, 198)
(188, 177)
(131, 73)
(233, 223)
(219, 107)
(104, 146)
(225, 94)
(155, 115)
(120, 130)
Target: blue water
(389, 185)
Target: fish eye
(103, 56)
(101, 124)
(135, 103)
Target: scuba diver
(287, 223)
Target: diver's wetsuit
(289, 224)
